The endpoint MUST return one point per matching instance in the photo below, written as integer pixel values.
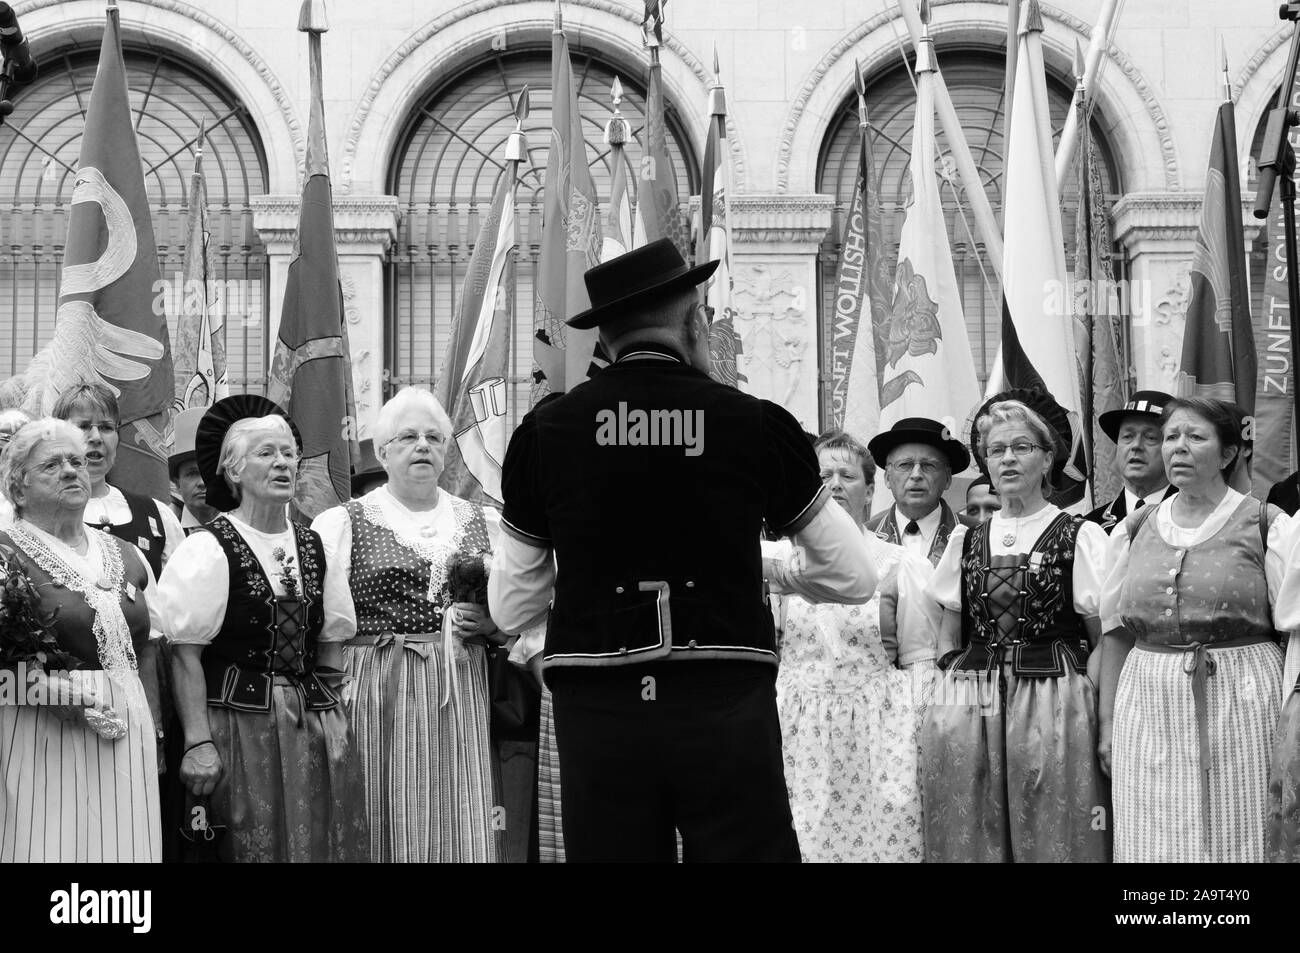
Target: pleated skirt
(69, 796)
(1014, 777)
(430, 797)
(1156, 756)
(291, 791)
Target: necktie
(912, 529)
(1139, 505)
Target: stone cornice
(1167, 217)
(768, 219)
(358, 220)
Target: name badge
(153, 526)
(1035, 563)
(130, 592)
(143, 543)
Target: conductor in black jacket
(637, 500)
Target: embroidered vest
(144, 531)
(1022, 604)
(263, 636)
(400, 586)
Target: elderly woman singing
(1009, 759)
(419, 701)
(256, 676)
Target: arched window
(444, 174)
(975, 80)
(39, 148)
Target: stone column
(774, 291)
(1158, 229)
(365, 226)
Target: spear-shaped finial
(925, 49)
(717, 95)
(1031, 18)
(860, 84)
(1079, 66)
(652, 24)
(1227, 83)
(559, 19)
(311, 17)
(198, 143)
(516, 146)
(616, 128)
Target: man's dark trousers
(689, 746)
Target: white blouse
(1275, 560)
(414, 526)
(1089, 558)
(112, 508)
(195, 584)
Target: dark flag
(1105, 384)
(311, 375)
(107, 328)
(1218, 341)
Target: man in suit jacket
(638, 500)
(1135, 428)
(919, 457)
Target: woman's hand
(201, 769)
(1103, 747)
(472, 620)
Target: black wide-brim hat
(212, 433)
(651, 271)
(1057, 419)
(919, 430)
(368, 469)
(1145, 403)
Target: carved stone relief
(776, 321)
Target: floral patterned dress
(851, 721)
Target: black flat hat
(1145, 403)
(212, 433)
(650, 271)
(919, 430)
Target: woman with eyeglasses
(1009, 759)
(1191, 687)
(75, 784)
(268, 754)
(145, 523)
(419, 697)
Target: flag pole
(1102, 35)
(516, 153)
(986, 226)
(1009, 83)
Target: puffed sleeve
(524, 514)
(1089, 569)
(193, 590)
(151, 599)
(334, 527)
(1116, 562)
(1282, 570)
(173, 535)
(918, 615)
(793, 483)
(944, 586)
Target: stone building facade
(415, 96)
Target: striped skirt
(550, 829)
(69, 796)
(1155, 753)
(429, 796)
